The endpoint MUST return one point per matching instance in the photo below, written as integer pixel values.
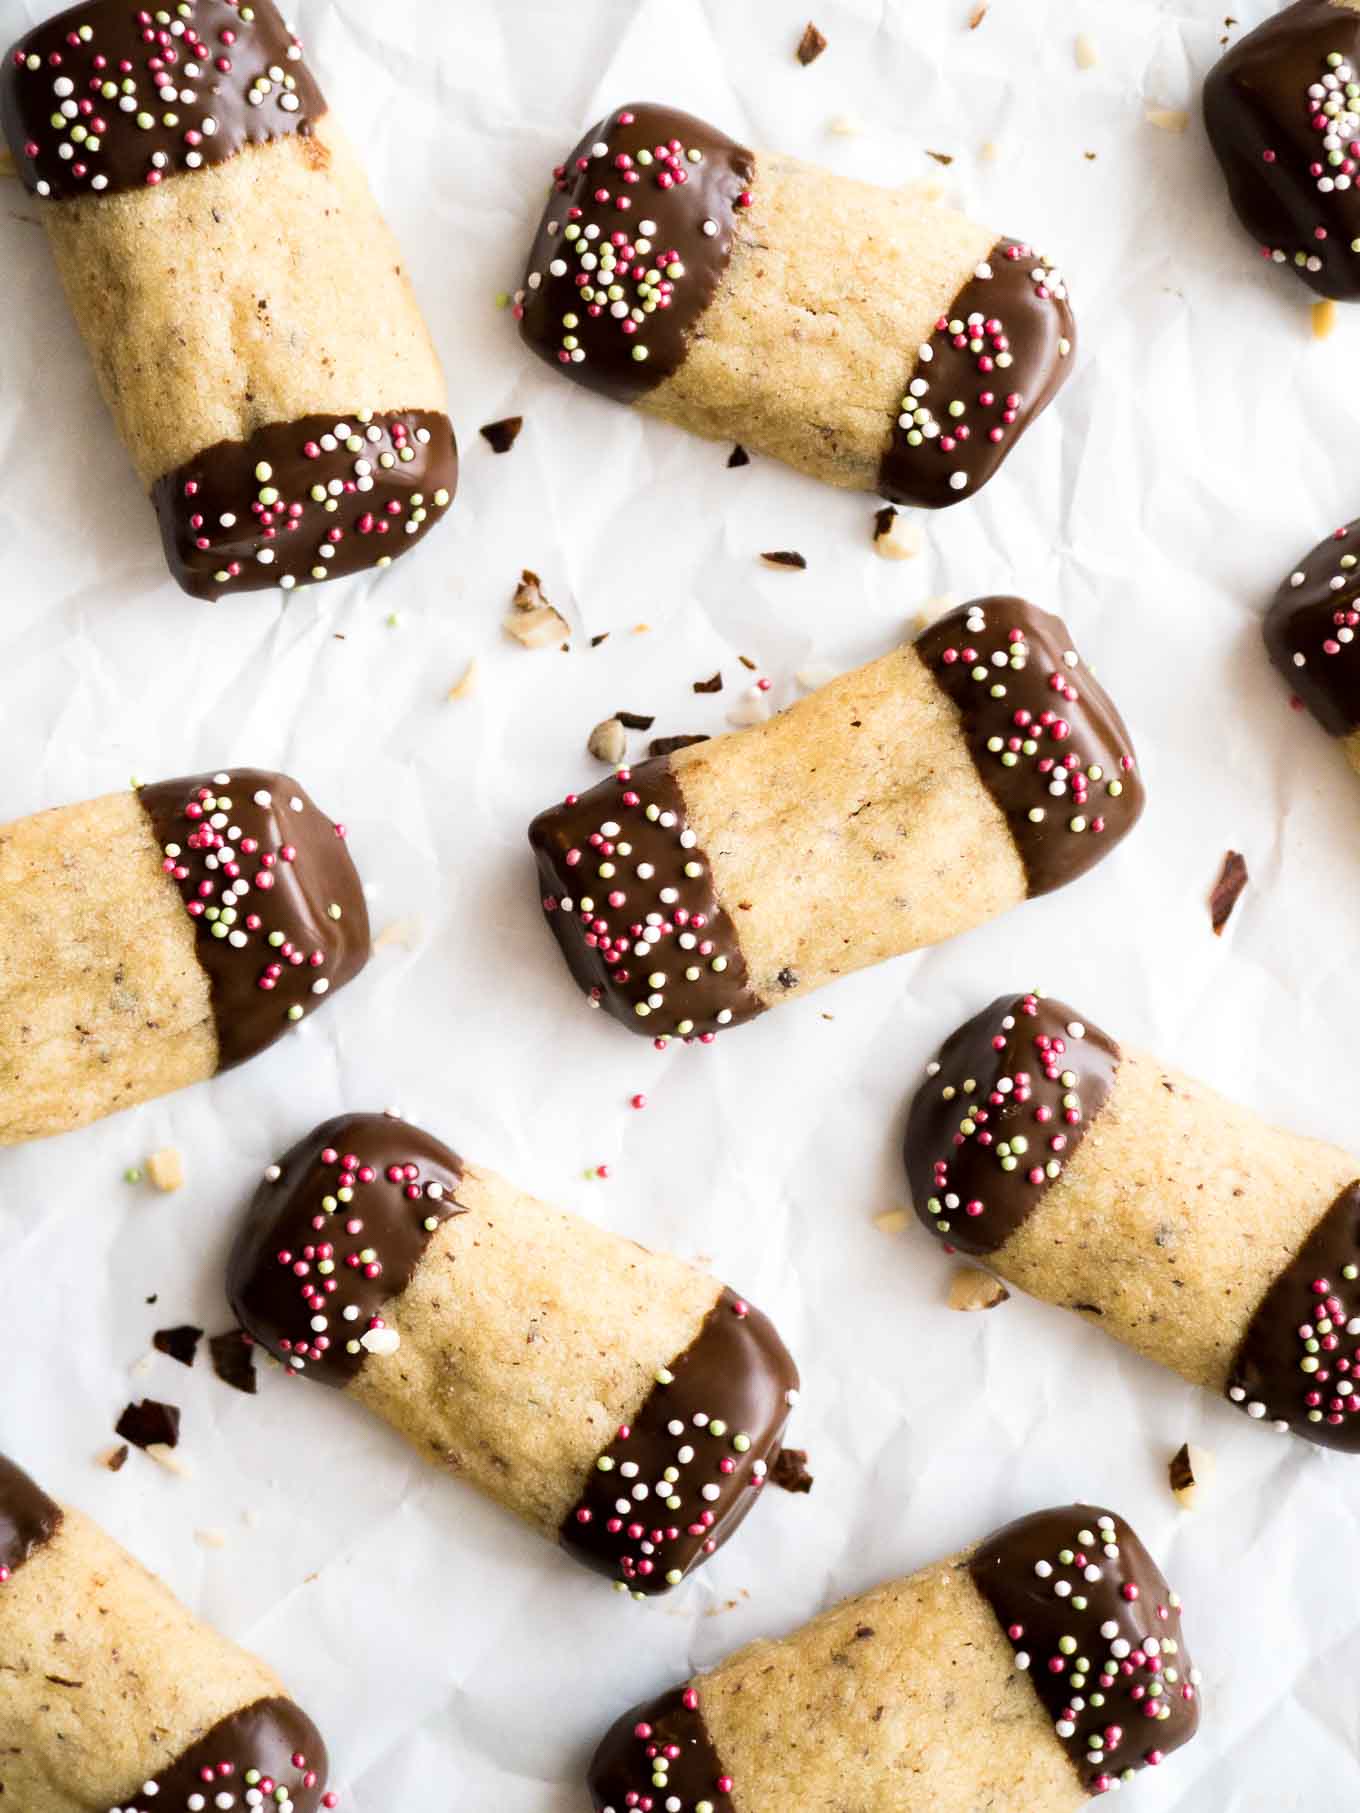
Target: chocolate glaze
(1080, 1573)
(306, 501)
(1301, 1353)
(298, 1225)
(136, 102)
(28, 1518)
(1269, 133)
(1310, 630)
(995, 362)
(1048, 743)
(624, 1769)
(1024, 1068)
(730, 1392)
(270, 1745)
(679, 175)
(298, 926)
(624, 911)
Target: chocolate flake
(1227, 892)
(713, 685)
(180, 1343)
(501, 436)
(149, 1425)
(811, 46)
(790, 1472)
(669, 745)
(632, 720)
(785, 557)
(595, 641)
(233, 1360)
(738, 457)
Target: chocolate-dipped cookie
(152, 938)
(1104, 1181)
(901, 804)
(1283, 112)
(252, 326)
(627, 1406)
(115, 1697)
(1045, 1666)
(1310, 634)
(708, 284)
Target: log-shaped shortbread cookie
(1103, 1181)
(1310, 632)
(863, 335)
(113, 1696)
(1283, 112)
(251, 323)
(624, 1404)
(901, 804)
(149, 939)
(1042, 1667)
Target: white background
(1203, 443)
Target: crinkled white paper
(1204, 442)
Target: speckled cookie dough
(1041, 1668)
(1282, 109)
(861, 334)
(152, 938)
(1310, 632)
(1187, 1227)
(114, 1699)
(624, 1404)
(901, 804)
(251, 323)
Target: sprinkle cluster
(1139, 1678)
(1345, 618)
(937, 413)
(1328, 1359)
(660, 1755)
(1333, 108)
(226, 1785)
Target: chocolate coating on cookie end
(996, 360)
(1283, 114)
(634, 242)
(276, 901)
(306, 501)
(111, 96)
(631, 901)
(1046, 738)
(665, 1737)
(1299, 1362)
(28, 1518)
(714, 1418)
(1000, 1114)
(1310, 630)
(1088, 1613)
(271, 1741)
(335, 1232)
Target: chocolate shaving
(789, 1471)
(595, 641)
(738, 457)
(632, 720)
(713, 685)
(669, 745)
(116, 1458)
(785, 557)
(233, 1360)
(883, 521)
(747, 662)
(941, 157)
(812, 45)
(501, 436)
(1227, 892)
(180, 1343)
(149, 1424)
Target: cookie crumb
(844, 125)
(166, 1170)
(970, 1289)
(896, 537)
(811, 45)
(501, 436)
(164, 1456)
(211, 1539)
(115, 1459)
(1191, 1474)
(533, 622)
(1085, 51)
(990, 151)
(467, 685)
(1324, 319)
(787, 558)
(1227, 890)
(608, 742)
(892, 1221)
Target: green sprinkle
(133, 1174)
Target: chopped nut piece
(811, 46)
(844, 125)
(115, 1459)
(608, 742)
(892, 1221)
(464, 688)
(897, 537)
(533, 622)
(380, 1340)
(1168, 119)
(1227, 890)
(501, 436)
(1324, 319)
(970, 1289)
(786, 558)
(1191, 1473)
(166, 1457)
(990, 151)
(166, 1169)
(1086, 52)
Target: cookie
(863, 335)
(252, 326)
